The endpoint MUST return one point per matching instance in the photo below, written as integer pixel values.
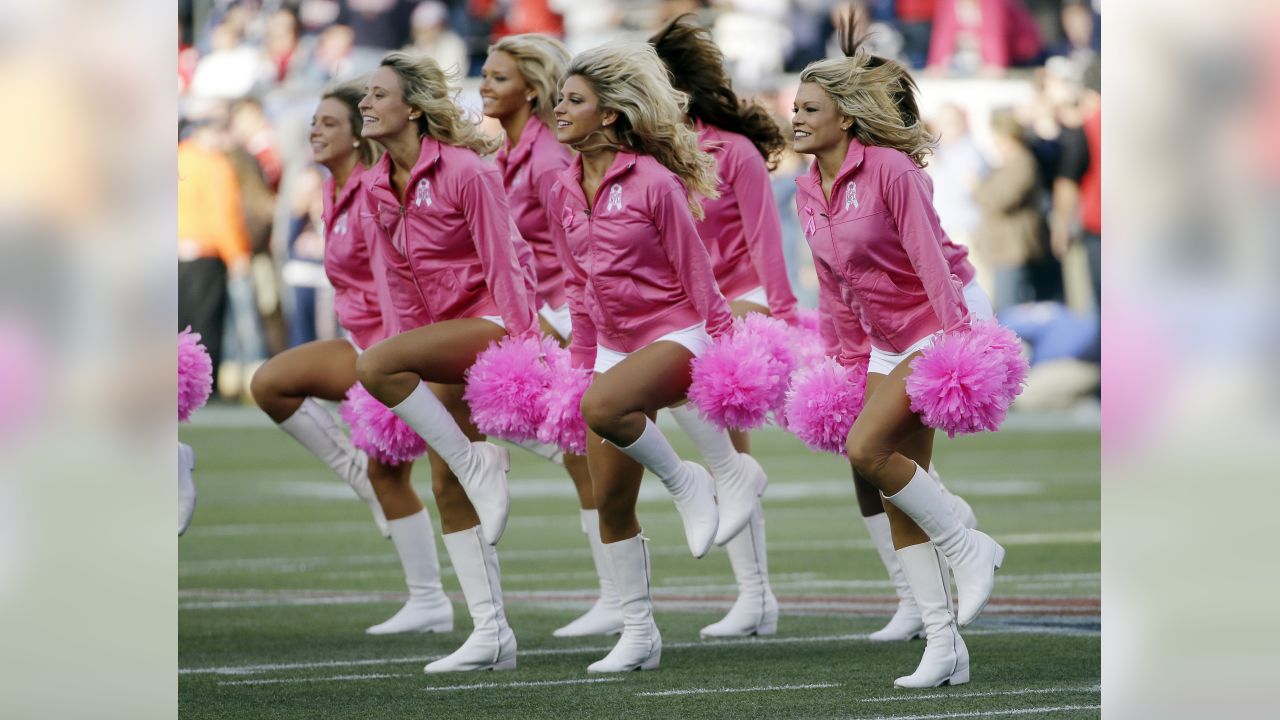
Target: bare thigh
(325, 369)
(436, 353)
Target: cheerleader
(866, 207)
(743, 234)
(519, 83)
(438, 215)
(287, 385)
(643, 303)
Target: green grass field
(282, 570)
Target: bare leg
(325, 369)
(437, 353)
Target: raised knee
(265, 382)
(866, 455)
(371, 369)
(599, 413)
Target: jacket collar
(571, 177)
(811, 182)
(353, 181)
(427, 156)
(509, 156)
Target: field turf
(282, 569)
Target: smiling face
(815, 121)
(383, 108)
(332, 137)
(503, 90)
(578, 114)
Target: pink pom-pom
(378, 431)
(737, 382)
(823, 403)
(562, 423)
(772, 334)
(195, 374)
(965, 382)
(505, 387)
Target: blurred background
(88, 298)
(1009, 85)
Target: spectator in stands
(212, 240)
(1077, 190)
(915, 22)
(374, 27)
(432, 37)
(957, 168)
(972, 37)
(1009, 237)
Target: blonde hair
(425, 87)
(877, 93)
(631, 80)
(541, 60)
(350, 94)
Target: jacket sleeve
(842, 335)
(582, 343)
(688, 255)
(762, 229)
(484, 205)
(920, 232)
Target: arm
(920, 232)
(678, 235)
(842, 334)
(484, 205)
(582, 343)
(762, 228)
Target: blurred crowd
(1011, 88)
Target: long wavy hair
(350, 94)
(426, 87)
(696, 66)
(878, 94)
(631, 80)
(541, 60)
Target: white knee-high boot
(605, 616)
(186, 486)
(755, 612)
(481, 467)
(316, 430)
(428, 608)
(492, 644)
(946, 659)
(688, 482)
(958, 504)
(906, 623)
(740, 481)
(974, 557)
(640, 647)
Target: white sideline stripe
(990, 713)
(1004, 693)
(267, 667)
(539, 683)
(762, 688)
(278, 681)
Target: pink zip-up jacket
(529, 173)
(888, 274)
(451, 250)
(348, 264)
(635, 266)
(742, 228)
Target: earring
(529, 99)
(355, 144)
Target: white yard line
(1001, 693)
(762, 688)
(990, 713)
(539, 683)
(279, 681)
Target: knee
(372, 369)
(600, 412)
(867, 455)
(266, 383)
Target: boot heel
(999, 556)
(651, 663)
(960, 677)
(768, 628)
(508, 664)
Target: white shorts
(354, 344)
(694, 338)
(883, 362)
(496, 320)
(557, 318)
(756, 296)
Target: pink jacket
(635, 266)
(887, 272)
(347, 262)
(529, 174)
(742, 228)
(452, 251)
